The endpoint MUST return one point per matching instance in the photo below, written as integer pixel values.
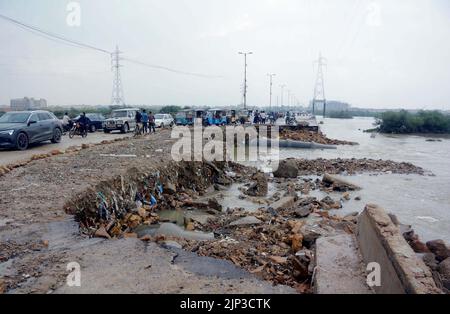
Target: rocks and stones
(168, 244)
(102, 233)
(214, 204)
(258, 188)
(200, 218)
(346, 196)
(439, 248)
(328, 203)
(249, 220)
(444, 272)
(287, 169)
(169, 229)
(429, 260)
(170, 188)
(278, 259)
(358, 198)
(303, 211)
(284, 203)
(297, 242)
(338, 184)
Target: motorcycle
(77, 129)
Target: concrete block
(381, 241)
(340, 268)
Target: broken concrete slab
(169, 229)
(339, 184)
(340, 268)
(249, 220)
(284, 203)
(381, 241)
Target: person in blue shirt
(145, 121)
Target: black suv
(19, 129)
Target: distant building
(28, 104)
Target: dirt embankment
(309, 136)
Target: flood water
(421, 201)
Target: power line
(169, 69)
(64, 40)
(52, 35)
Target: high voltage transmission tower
(319, 89)
(117, 92)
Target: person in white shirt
(66, 121)
(263, 117)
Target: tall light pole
(271, 75)
(289, 98)
(282, 93)
(245, 76)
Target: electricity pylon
(319, 89)
(117, 92)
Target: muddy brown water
(422, 201)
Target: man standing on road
(145, 121)
(138, 120)
(84, 122)
(151, 121)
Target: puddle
(230, 198)
(170, 229)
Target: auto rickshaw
(185, 117)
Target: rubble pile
(435, 254)
(116, 207)
(276, 244)
(321, 166)
(310, 136)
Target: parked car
(162, 120)
(96, 123)
(20, 129)
(122, 119)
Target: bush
(170, 109)
(340, 115)
(422, 122)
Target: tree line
(404, 122)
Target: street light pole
(271, 75)
(282, 93)
(245, 76)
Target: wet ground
(8, 156)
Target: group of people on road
(145, 122)
(264, 118)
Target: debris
(346, 196)
(311, 136)
(444, 271)
(338, 184)
(249, 220)
(287, 169)
(172, 245)
(259, 187)
(303, 212)
(284, 203)
(439, 248)
(102, 233)
(278, 259)
(297, 240)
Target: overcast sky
(381, 53)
